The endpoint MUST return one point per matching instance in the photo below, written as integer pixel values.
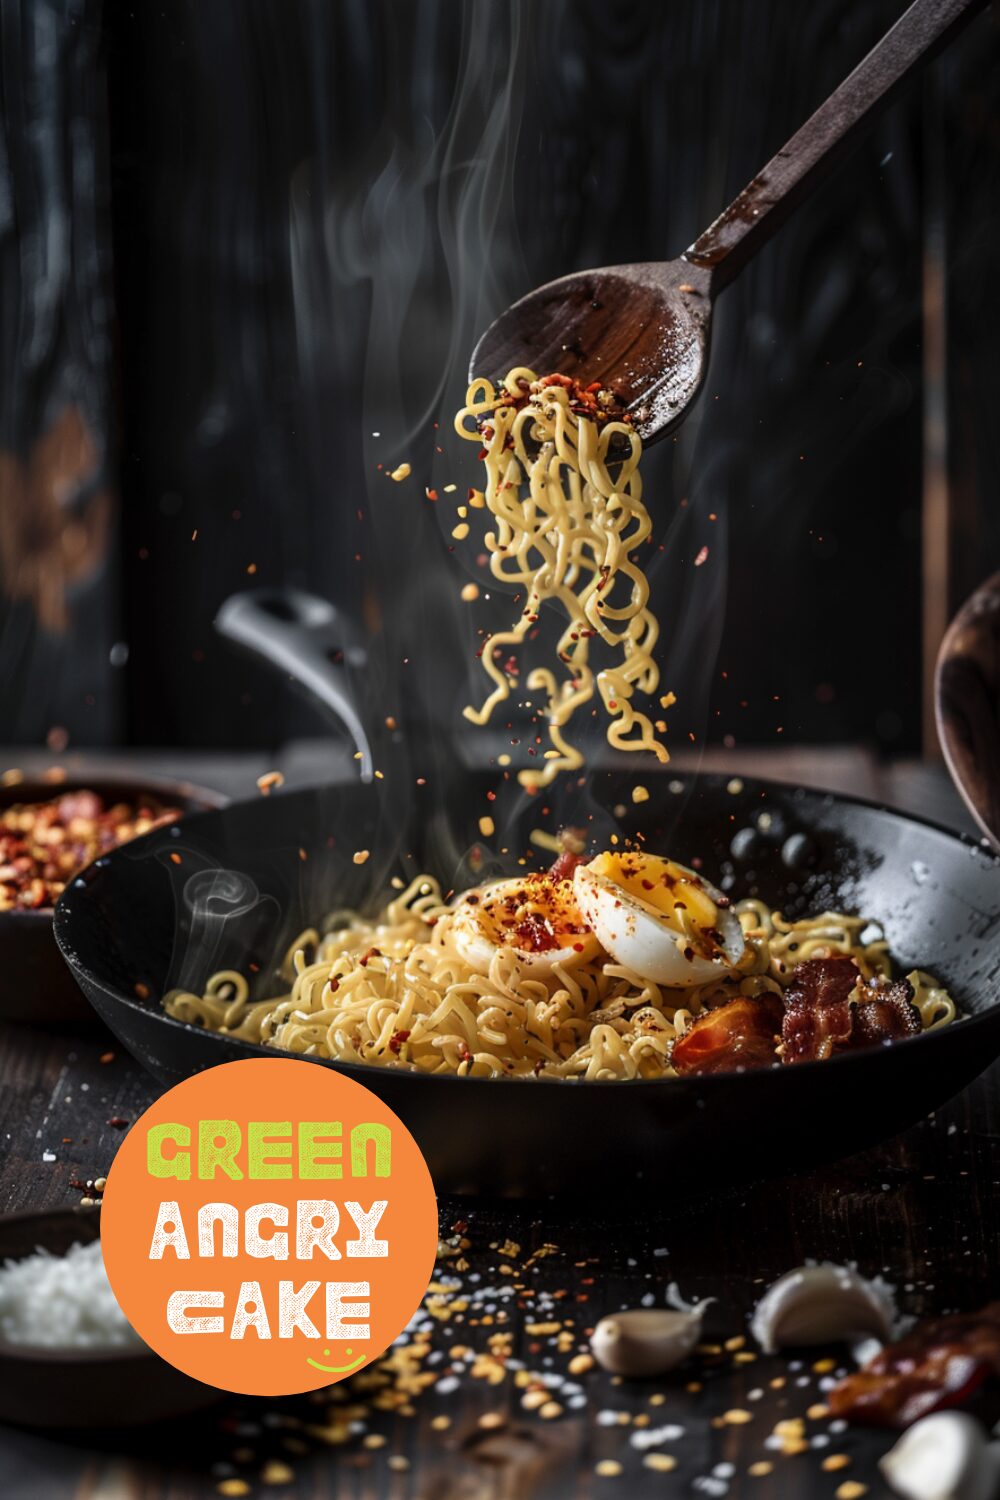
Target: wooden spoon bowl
(641, 329)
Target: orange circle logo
(269, 1226)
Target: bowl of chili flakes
(51, 828)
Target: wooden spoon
(644, 329)
(967, 704)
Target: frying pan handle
(307, 638)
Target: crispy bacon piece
(937, 1365)
(562, 868)
(887, 1014)
(821, 1019)
(740, 1034)
(817, 1008)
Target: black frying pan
(126, 922)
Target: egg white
(479, 929)
(641, 937)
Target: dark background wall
(240, 239)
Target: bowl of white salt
(68, 1355)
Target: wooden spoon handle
(765, 203)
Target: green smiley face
(337, 1369)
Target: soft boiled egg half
(533, 916)
(659, 918)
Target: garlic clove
(646, 1340)
(822, 1304)
(946, 1456)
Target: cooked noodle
(565, 492)
(394, 991)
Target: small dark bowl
(35, 984)
(83, 1387)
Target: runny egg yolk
(658, 918)
(669, 889)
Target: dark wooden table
(490, 1408)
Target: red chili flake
(118, 1122)
(397, 1039)
(142, 990)
(107, 1057)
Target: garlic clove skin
(946, 1456)
(822, 1304)
(646, 1340)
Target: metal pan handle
(307, 638)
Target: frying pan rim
(990, 1015)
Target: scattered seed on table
(661, 1462)
(608, 1468)
(276, 1472)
